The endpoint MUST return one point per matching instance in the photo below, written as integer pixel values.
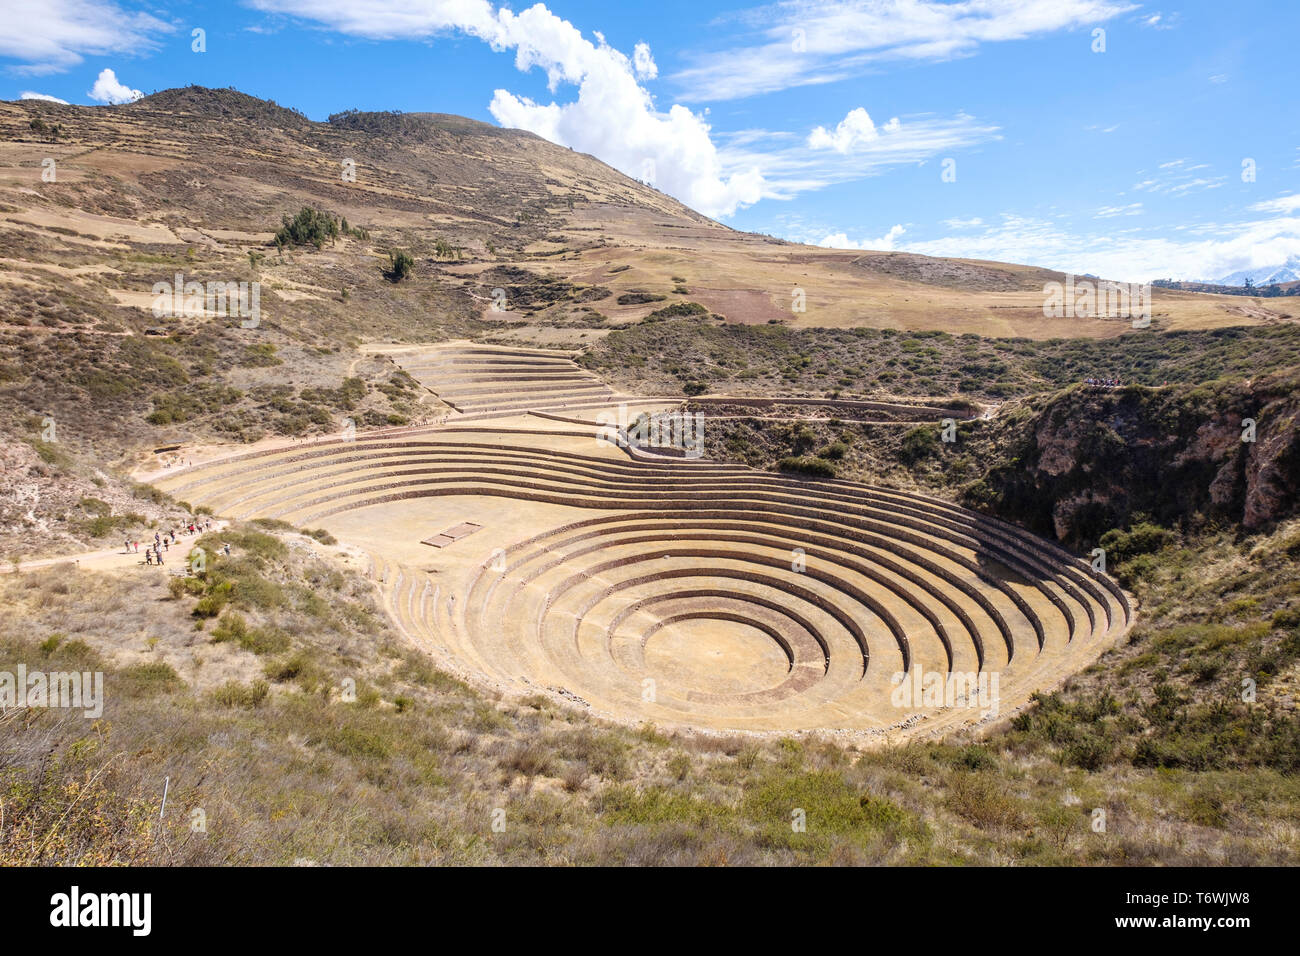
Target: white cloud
(1196, 185)
(818, 41)
(613, 116)
(45, 97)
(790, 167)
(646, 67)
(1210, 249)
(963, 223)
(885, 243)
(63, 32)
(1110, 212)
(1158, 21)
(1282, 204)
(1174, 178)
(107, 89)
(856, 129)
(390, 21)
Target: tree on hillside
(309, 227)
(445, 250)
(400, 265)
(49, 131)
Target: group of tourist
(1103, 382)
(163, 541)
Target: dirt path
(112, 559)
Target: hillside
(441, 584)
(196, 178)
(195, 182)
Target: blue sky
(823, 121)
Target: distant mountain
(1288, 271)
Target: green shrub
(234, 694)
(355, 743)
(299, 668)
(920, 442)
(805, 465)
(309, 227)
(1286, 618)
(983, 799)
(1142, 538)
(400, 265)
(147, 679)
(639, 298)
(210, 605)
(674, 310)
(831, 806)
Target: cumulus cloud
(44, 97)
(885, 243)
(613, 116)
(107, 89)
(63, 32)
(646, 68)
(856, 129)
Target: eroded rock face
(1273, 476)
(1093, 459)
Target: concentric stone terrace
(483, 381)
(683, 592)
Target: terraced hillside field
(524, 546)
(488, 380)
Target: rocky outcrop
(1093, 459)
